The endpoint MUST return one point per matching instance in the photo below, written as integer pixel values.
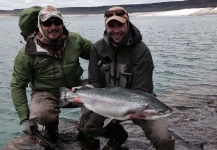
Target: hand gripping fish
(118, 103)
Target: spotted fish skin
(118, 103)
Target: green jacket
(43, 72)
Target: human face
(116, 30)
(52, 28)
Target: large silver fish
(118, 103)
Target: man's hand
(27, 125)
(76, 100)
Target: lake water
(184, 51)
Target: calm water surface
(183, 50)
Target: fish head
(161, 110)
(154, 114)
(149, 113)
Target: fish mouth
(151, 114)
(159, 116)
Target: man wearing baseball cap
(47, 61)
(122, 59)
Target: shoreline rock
(192, 123)
(194, 128)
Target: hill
(164, 6)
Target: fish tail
(63, 91)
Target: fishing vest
(117, 73)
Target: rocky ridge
(133, 8)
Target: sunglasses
(48, 23)
(110, 13)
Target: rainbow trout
(118, 103)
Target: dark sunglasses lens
(58, 22)
(119, 12)
(48, 23)
(109, 13)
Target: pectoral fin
(107, 121)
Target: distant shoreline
(181, 12)
(151, 9)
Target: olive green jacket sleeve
(86, 46)
(31, 69)
(20, 78)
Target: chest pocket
(116, 75)
(125, 74)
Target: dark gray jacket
(127, 65)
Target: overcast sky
(19, 4)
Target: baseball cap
(48, 12)
(116, 13)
